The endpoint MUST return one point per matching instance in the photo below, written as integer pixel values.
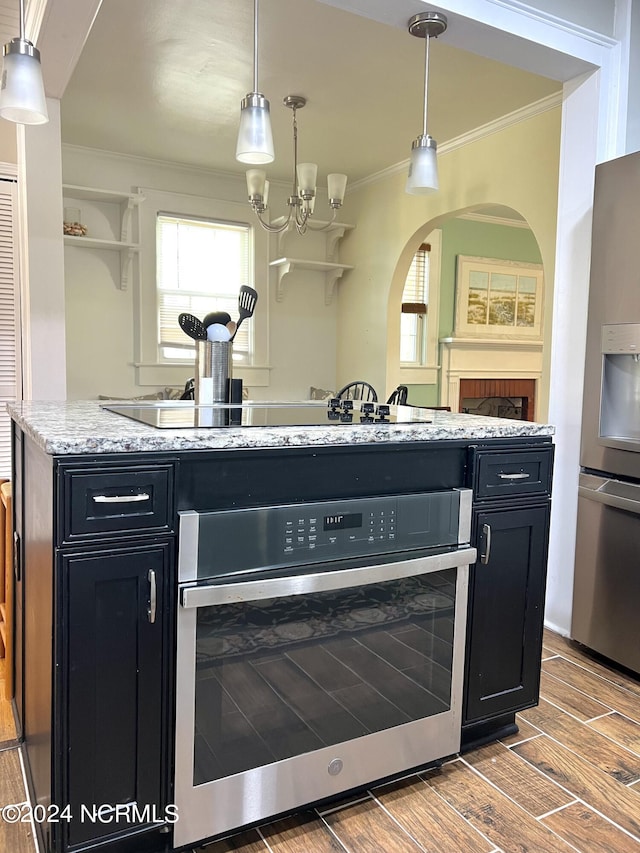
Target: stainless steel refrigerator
(606, 594)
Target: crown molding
(495, 220)
(148, 161)
(523, 114)
(551, 20)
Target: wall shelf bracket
(332, 272)
(126, 259)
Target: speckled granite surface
(83, 427)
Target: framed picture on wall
(498, 299)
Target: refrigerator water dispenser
(620, 392)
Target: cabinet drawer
(501, 474)
(116, 500)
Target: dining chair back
(358, 390)
(399, 396)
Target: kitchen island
(112, 515)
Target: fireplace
(498, 398)
(498, 378)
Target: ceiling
(164, 80)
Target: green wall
(478, 239)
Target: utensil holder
(213, 372)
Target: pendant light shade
(255, 138)
(423, 166)
(22, 98)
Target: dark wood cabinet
(510, 529)
(505, 610)
(112, 682)
(97, 545)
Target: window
(200, 267)
(152, 367)
(415, 301)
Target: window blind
(200, 267)
(8, 373)
(415, 296)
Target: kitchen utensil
(193, 327)
(220, 317)
(247, 299)
(217, 332)
(231, 325)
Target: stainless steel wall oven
(320, 646)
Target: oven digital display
(343, 521)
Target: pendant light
(22, 98)
(255, 139)
(423, 166)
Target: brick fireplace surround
(512, 389)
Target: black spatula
(193, 327)
(247, 298)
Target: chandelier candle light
(22, 98)
(423, 166)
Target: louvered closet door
(8, 275)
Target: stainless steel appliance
(320, 646)
(606, 596)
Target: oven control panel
(309, 531)
(219, 543)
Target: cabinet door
(114, 687)
(506, 608)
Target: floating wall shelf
(126, 203)
(333, 272)
(334, 233)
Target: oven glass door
(304, 686)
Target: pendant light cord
(426, 82)
(255, 45)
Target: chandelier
(301, 202)
(255, 146)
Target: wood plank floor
(568, 781)
(14, 837)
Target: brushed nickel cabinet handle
(120, 499)
(153, 600)
(486, 532)
(521, 476)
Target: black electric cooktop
(174, 414)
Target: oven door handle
(303, 584)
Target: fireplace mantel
(477, 358)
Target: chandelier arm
(314, 227)
(302, 218)
(273, 229)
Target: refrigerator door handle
(615, 494)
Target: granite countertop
(83, 427)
